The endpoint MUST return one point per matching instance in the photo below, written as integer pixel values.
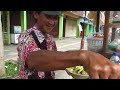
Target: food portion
(78, 70)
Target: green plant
(12, 69)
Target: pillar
(77, 28)
(61, 26)
(23, 20)
(94, 29)
(6, 27)
(87, 31)
(2, 63)
(91, 29)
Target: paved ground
(65, 44)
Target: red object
(81, 33)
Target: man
(80, 29)
(39, 56)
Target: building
(15, 22)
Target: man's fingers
(118, 71)
(113, 77)
(115, 72)
(118, 76)
(94, 75)
(104, 75)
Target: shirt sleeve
(51, 44)
(26, 44)
(54, 47)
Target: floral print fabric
(26, 44)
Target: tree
(2, 63)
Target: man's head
(46, 20)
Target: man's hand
(99, 67)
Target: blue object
(115, 58)
(115, 54)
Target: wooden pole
(113, 34)
(106, 30)
(98, 21)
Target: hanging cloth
(93, 15)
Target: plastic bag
(116, 41)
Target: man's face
(45, 22)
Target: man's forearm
(45, 60)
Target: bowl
(77, 76)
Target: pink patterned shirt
(26, 44)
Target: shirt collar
(38, 33)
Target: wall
(70, 30)
(30, 19)
(14, 19)
(79, 13)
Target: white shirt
(80, 28)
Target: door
(6, 27)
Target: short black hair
(38, 12)
(31, 14)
